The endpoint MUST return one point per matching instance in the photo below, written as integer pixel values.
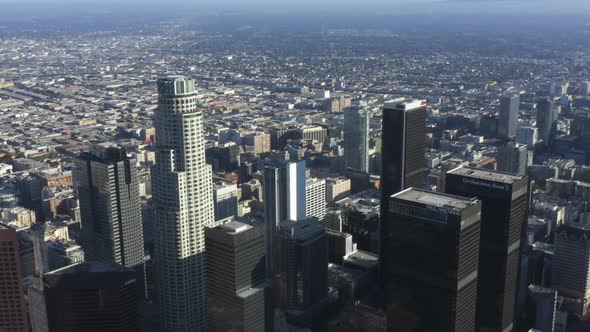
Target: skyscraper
(284, 199)
(12, 304)
(110, 206)
(403, 148)
(183, 206)
(546, 119)
(238, 288)
(509, 107)
(514, 158)
(92, 297)
(356, 139)
(315, 198)
(571, 264)
(429, 261)
(504, 213)
(225, 196)
(300, 280)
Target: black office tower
(429, 262)
(504, 211)
(237, 284)
(403, 148)
(92, 298)
(110, 206)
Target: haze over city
(299, 166)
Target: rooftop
(485, 174)
(404, 104)
(435, 199)
(235, 227)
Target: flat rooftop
(404, 104)
(435, 199)
(485, 174)
(235, 227)
(89, 267)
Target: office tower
(356, 139)
(315, 198)
(403, 148)
(339, 245)
(514, 158)
(238, 290)
(571, 264)
(541, 308)
(509, 107)
(92, 297)
(546, 119)
(584, 89)
(504, 213)
(225, 157)
(446, 166)
(13, 315)
(429, 261)
(183, 206)
(337, 189)
(110, 206)
(527, 136)
(284, 199)
(300, 278)
(225, 196)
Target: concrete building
(337, 189)
(239, 292)
(315, 198)
(509, 107)
(225, 197)
(356, 139)
(110, 206)
(514, 158)
(183, 206)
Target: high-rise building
(300, 280)
(337, 189)
(514, 158)
(92, 297)
(546, 119)
(429, 261)
(571, 264)
(238, 290)
(110, 206)
(315, 198)
(509, 107)
(527, 136)
(403, 148)
(225, 196)
(284, 199)
(183, 206)
(503, 227)
(13, 315)
(356, 139)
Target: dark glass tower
(110, 206)
(546, 119)
(13, 315)
(429, 261)
(92, 297)
(237, 284)
(403, 148)
(504, 211)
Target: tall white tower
(183, 206)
